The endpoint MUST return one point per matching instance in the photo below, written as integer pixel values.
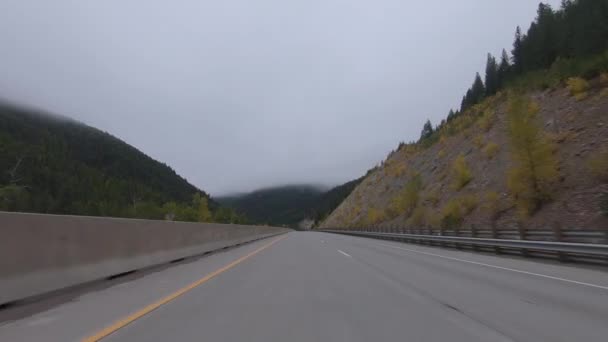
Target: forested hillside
(528, 147)
(282, 205)
(329, 200)
(53, 164)
(291, 204)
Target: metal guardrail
(525, 246)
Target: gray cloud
(241, 94)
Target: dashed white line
(348, 255)
(501, 268)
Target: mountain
(53, 164)
(290, 205)
(281, 205)
(329, 200)
(528, 147)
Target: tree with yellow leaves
(535, 166)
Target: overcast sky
(241, 94)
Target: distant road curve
(311, 286)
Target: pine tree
(427, 130)
(491, 76)
(503, 69)
(478, 91)
(451, 115)
(517, 52)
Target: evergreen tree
(491, 76)
(517, 52)
(427, 130)
(503, 69)
(451, 115)
(478, 91)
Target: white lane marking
(501, 268)
(348, 255)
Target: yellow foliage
(578, 87)
(491, 202)
(433, 219)
(456, 209)
(604, 78)
(487, 120)
(418, 217)
(598, 165)
(441, 153)
(396, 169)
(468, 203)
(478, 141)
(535, 166)
(375, 216)
(407, 199)
(491, 150)
(581, 96)
(462, 174)
(451, 214)
(433, 196)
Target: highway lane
(313, 286)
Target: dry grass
(491, 203)
(486, 120)
(478, 141)
(461, 173)
(491, 150)
(598, 165)
(578, 87)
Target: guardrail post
(474, 235)
(522, 236)
(605, 239)
(495, 236)
(457, 233)
(559, 236)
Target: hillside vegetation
(53, 164)
(282, 205)
(527, 148)
(290, 205)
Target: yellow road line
(137, 315)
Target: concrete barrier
(42, 253)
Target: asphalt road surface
(310, 286)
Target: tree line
(52, 164)
(577, 30)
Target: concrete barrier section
(42, 253)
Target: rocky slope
(415, 186)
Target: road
(310, 286)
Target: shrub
(535, 166)
(375, 216)
(451, 214)
(491, 150)
(407, 200)
(578, 87)
(441, 153)
(487, 120)
(396, 169)
(468, 203)
(491, 203)
(462, 174)
(418, 217)
(433, 196)
(604, 78)
(478, 141)
(598, 165)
